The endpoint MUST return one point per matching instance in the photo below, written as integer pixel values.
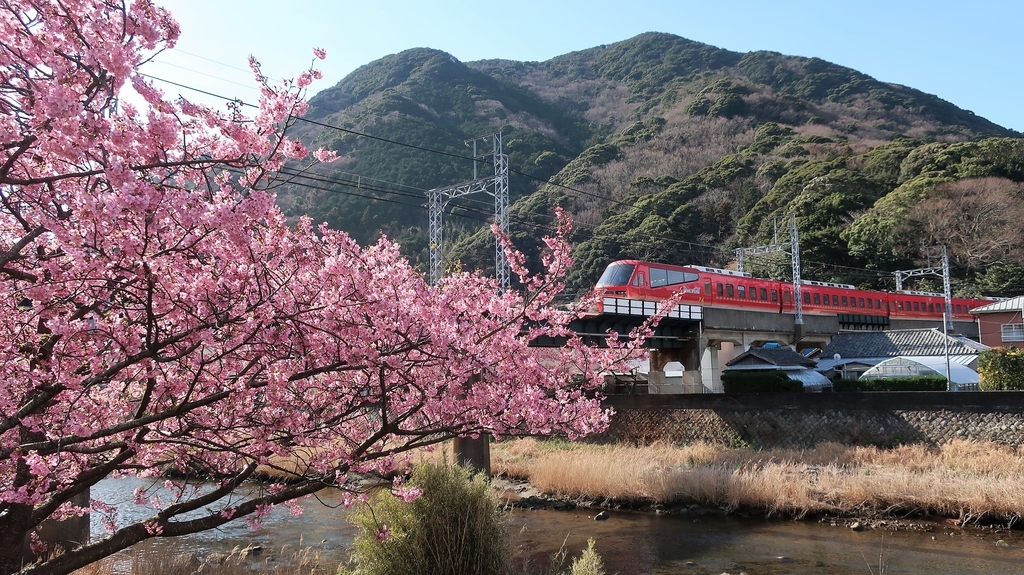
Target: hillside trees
(977, 219)
(159, 315)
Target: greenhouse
(903, 366)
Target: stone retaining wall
(795, 420)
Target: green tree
(1001, 369)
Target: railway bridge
(694, 336)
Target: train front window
(616, 275)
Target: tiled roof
(780, 356)
(909, 342)
(1012, 304)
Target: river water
(636, 543)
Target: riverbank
(962, 483)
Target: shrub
(589, 563)
(916, 383)
(758, 382)
(454, 528)
(1001, 369)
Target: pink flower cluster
(158, 312)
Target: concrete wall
(965, 328)
(803, 420)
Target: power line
(397, 143)
(613, 201)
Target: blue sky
(968, 56)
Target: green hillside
(667, 149)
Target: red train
(639, 280)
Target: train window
(741, 292)
(860, 302)
(835, 300)
(707, 287)
(728, 290)
(908, 305)
(871, 304)
(807, 297)
(764, 294)
(845, 303)
(752, 293)
(775, 295)
(959, 309)
(639, 279)
(677, 277)
(931, 307)
(883, 305)
(817, 299)
(662, 277)
(787, 297)
(899, 305)
(916, 306)
(720, 289)
(659, 277)
(616, 275)
(878, 303)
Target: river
(637, 543)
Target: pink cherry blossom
(158, 312)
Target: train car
(713, 287)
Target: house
(1000, 324)
(852, 354)
(796, 366)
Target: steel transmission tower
(938, 265)
(793, 247)
(496, 186)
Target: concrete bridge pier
(688, 355)
(710, 366)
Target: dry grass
(970, 481)
(241, 561)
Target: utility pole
(938, 265)
(496, 186)
(793, 246)
(469, 451)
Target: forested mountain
(667, 149)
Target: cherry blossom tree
(160, 317)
